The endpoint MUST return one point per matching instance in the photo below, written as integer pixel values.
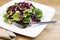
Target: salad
(22, 13)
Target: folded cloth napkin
(7, 35)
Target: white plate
(32, 31)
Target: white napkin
(5, 34)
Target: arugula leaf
(5, 16)
(16, 4)
(16, 16)
(6, 21)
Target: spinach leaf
(26, 20)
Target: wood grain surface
(52, 31)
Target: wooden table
(51, 32)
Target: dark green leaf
(16, 4)
(26, 20)
(39, 13)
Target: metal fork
(41, 23)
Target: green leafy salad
(22, 13)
